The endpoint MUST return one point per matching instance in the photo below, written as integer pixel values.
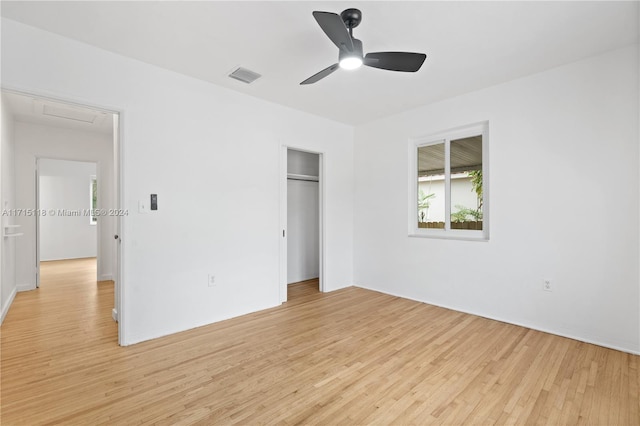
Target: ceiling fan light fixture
(350, 62)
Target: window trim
(92, 210)
(481, 128)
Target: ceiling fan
(339, 28)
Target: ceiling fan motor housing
(351, 17)
(357, 51)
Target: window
(93, 200)
(448, 175)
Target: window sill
(451, 235)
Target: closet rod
(293, 176)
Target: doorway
(302, 232)
(67, 170)
(67, 191)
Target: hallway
(52, 331)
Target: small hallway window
(93, 197)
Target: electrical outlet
(212, 280)
(546, 285)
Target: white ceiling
(469, 45)
(49, 113)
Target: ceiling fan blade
(322, 74)
(395, 61)
(334, 28)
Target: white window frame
(446, 137)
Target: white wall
(65, 188)
(38, 141)
(187, 141)
(302, 231)
(563, 197)
(7, 202)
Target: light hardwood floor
(302, 292)
(348, 357)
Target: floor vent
(245, 75)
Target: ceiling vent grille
(245, 75)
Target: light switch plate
(143, 206)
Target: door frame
(119, 188)
(283, 231)
(98, 224)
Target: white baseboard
(25, 287)
(7, 305)
(114, 314)
(105, 277)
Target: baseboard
(67, 258)
(114, 314)
(25, 287)
(519, 324)
(105, 277)
(7, 304)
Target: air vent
(245, 75)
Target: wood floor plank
(348, 357)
